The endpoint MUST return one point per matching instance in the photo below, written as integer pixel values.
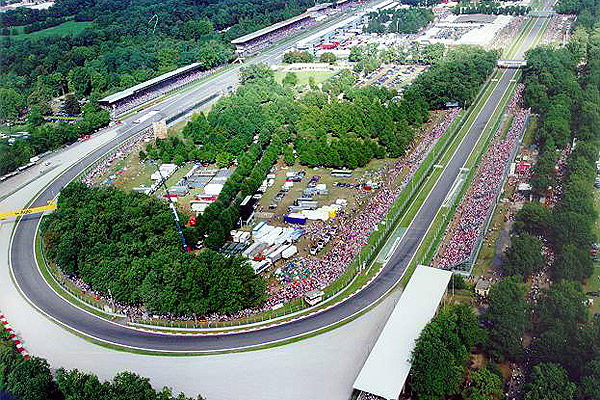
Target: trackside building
(388, 364)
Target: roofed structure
(269, 29)
(388, 364)
(124, 94)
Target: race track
(32, 284)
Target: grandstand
(324, 35)
(319, 7)
(146, 89)
(388, 364)
(254, 41)
(245, 43)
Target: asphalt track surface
(39, 293)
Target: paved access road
(33, 285)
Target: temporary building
(289, 252)
(275, 255)
(213, 189)
(257, 227)
(387, 367)
(199, 207)
(251, 249)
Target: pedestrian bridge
(542, 13)
(511, 63)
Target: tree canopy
(441, 352)
(524, 256)
(126, 243)
(399, 20)
(31, 380)
(508, 318)
(549, 382)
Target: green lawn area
(303, 76)
(67, 28)
(593, 283)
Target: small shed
(314, 297)
(482, 288)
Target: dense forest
(335, 125)
(456, 78)
(123, 47)
(48, 136)
(587, 11)
(32, 379)
(126, 244)
(399, 20)
(562, 360)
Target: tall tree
(524, 256)
(31, 380)
(549, 382)
(441, 352)
(508, 318)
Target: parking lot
(349, 190)
(393, 76)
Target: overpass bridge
(511, 64)
(542, 13)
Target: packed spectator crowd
(368, 396)
(506, 35)
(261, 42)
(558, 30)
(100, 169)
(554, 194)
(269, 39)
(541, 279)
(468, 224)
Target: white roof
(524, 187)
(128, 92)
(213, 189)
(199, 207)
(269, 29)
(388, 364)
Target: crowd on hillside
(468, 223)
(506, 35)
(104, 165)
